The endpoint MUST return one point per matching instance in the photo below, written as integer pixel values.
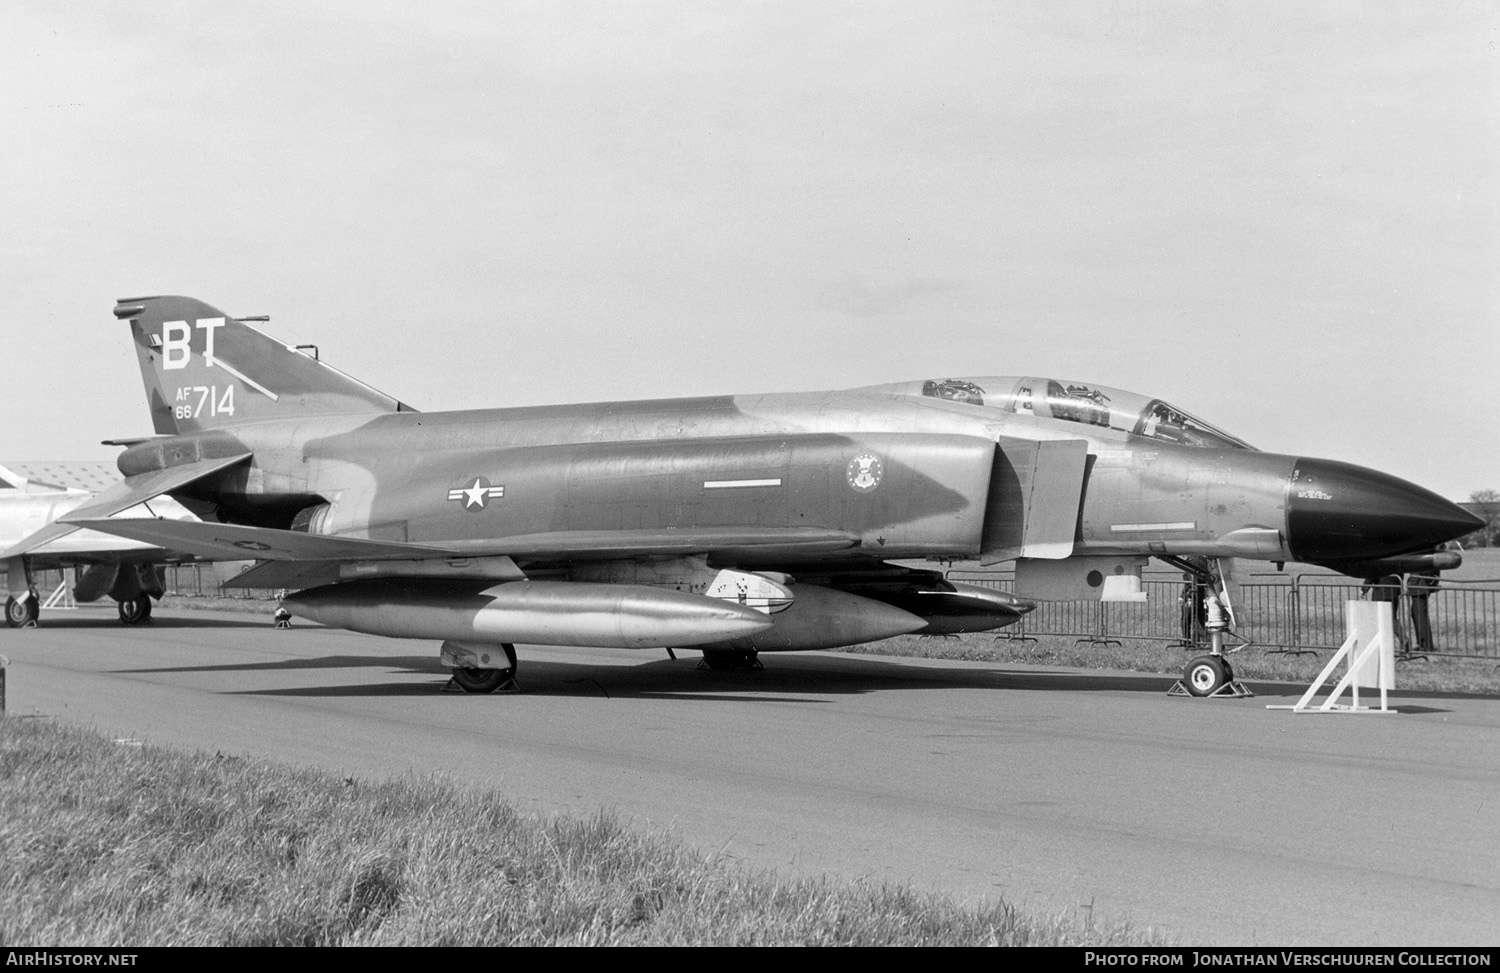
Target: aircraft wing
(237, 542)
(599, 545)
(315, 555)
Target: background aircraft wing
(41, 538)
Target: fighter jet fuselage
(780, 461)
(750, 523)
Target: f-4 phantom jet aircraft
(730, 525)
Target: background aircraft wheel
(481, 680)
(136, 611)
(725, 660)
(21, 611)
(1205, 674)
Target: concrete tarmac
(1217, 822)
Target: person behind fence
(1188, 607)
(1388, 588)
(1192, 609)
(281, 617)
(1419, 588)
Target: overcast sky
(1284, 217)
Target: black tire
(731, 660)
(1205, 675)
(481, 680)
(20, 612)
(135, 611)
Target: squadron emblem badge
(864, 472)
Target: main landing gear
(24, 611)
(730, 660)
(472, 672)
(135, 611)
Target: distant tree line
(1484, 504)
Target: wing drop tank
(532, 612)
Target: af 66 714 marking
(192, 400)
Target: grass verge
(111, 845)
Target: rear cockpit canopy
(1092, 405)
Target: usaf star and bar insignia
(477, 495)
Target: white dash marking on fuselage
(735, 484)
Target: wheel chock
(507, 688)
(1233, 689)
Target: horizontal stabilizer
(147, 486)
(122, 496)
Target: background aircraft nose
(1339, 511)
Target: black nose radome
(1338, 511)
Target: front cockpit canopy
(1093, 405)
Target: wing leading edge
(295, 558)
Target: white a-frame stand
(1371, 651)
(61, 597)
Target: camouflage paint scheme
(333, 483)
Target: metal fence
(201, 579)
(1293, 612)
(177, 579)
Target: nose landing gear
(1209, 675)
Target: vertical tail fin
(205, 370)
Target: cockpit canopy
(1093, 405)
